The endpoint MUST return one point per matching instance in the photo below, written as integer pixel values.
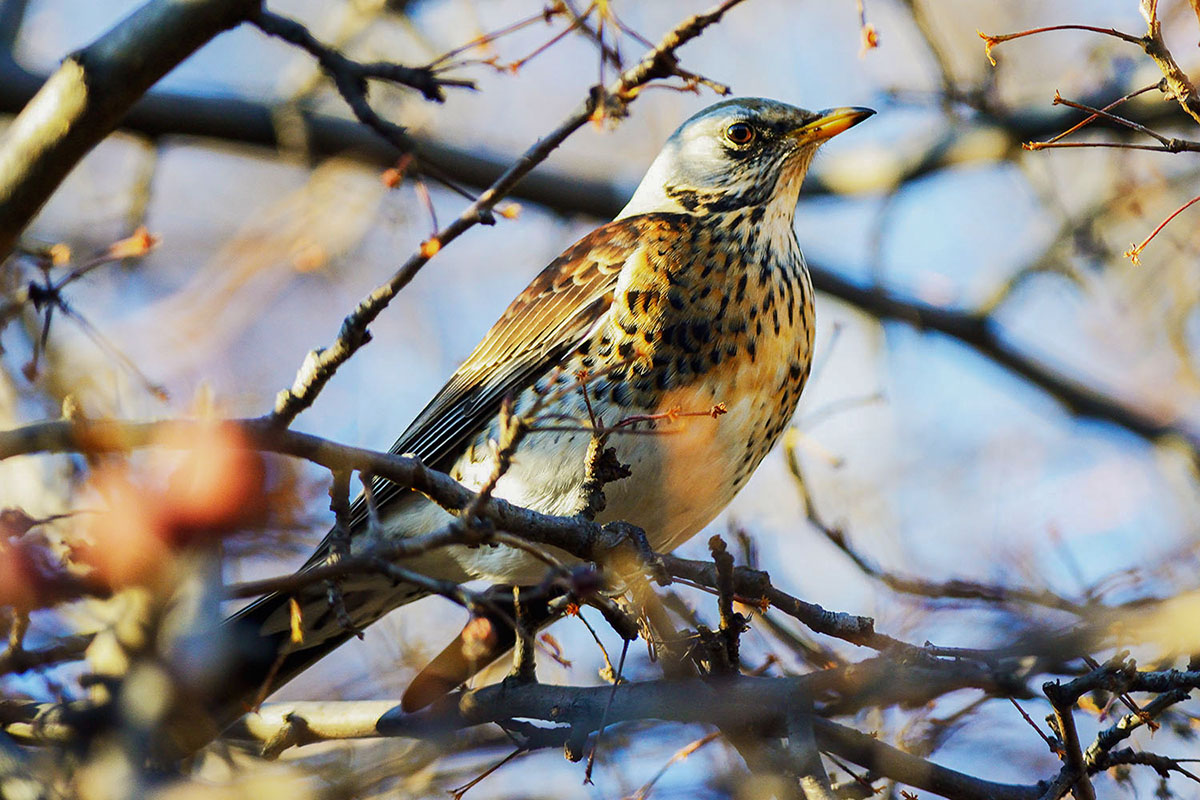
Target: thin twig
(320, 365)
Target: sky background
(957, 469)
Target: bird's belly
(690, 469)
(685, 469)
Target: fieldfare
(695, 296)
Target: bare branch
(982, 334)
(765, 702)
(86, 98)
(320, 365)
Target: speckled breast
(718, 315)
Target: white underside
(683, 476)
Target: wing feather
(547, 321)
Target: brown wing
(540, 327)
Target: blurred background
(936, 459)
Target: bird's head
(736, 154)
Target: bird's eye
(740, 133)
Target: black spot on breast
(756, 214)
(628, 325)
(621, 394)
(741, 287)
(625, 349)
(701, 332)
(675, 298)
(688, 198)
(752, 349)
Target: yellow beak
(830, 123)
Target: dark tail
(279, 636)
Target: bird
(687, 319)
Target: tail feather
(279, 636)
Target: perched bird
(695, 296)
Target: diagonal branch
(86, 98)
(320, 365)
(982, 334)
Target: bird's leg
(647, 559)
(524, 665)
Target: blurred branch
(162, 114)
(351, 76)
(86, 98)
(954, 589)
(67, 648)
(12, 15)
(765, 703)
(660, 62)
(982, 334)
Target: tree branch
(765, 703)
(320, 365)
(86, 98)
(982, 334)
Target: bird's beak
(830, 123)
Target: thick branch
(580, 537)
(763, 702)
(89, 94)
